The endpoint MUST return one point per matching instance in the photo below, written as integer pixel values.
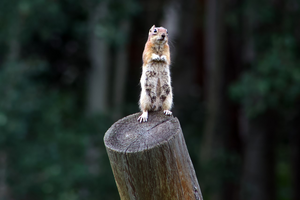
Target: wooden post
(150, 161)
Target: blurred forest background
(69, 69)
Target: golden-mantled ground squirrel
(156, 87)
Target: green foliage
(53, 150)
(225, 165)
(273, 82)
(46, 139)
(118, 14)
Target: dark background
(69, 69)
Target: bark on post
(150, 160)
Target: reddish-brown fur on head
(157, 43)
(158, 35)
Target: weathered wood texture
(150, 161)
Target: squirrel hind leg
(143, 117)
(167, 102)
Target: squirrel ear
(152, 27)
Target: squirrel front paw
(155, 57)
(163, 58)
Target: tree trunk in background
(214, 131)
(295, 166)
(258, 175)
(214, 76)
(171, 22)
(180, 20)
(295, 151)
(3, 185)
(258, 179)
(98, 80)
(97, 97)
(121, 68)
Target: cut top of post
(128, 135)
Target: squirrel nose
(163, 35)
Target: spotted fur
(155, 81)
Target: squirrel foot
(167, 112)
(143, 117)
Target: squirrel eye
(167, 31)
(155, 30)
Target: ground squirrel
(156, 87)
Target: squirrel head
(158, 35)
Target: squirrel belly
(156, 90)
